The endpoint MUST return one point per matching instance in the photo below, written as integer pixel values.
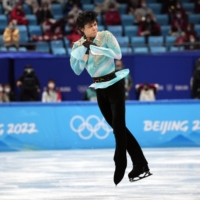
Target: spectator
(195, 82)
(179, 7)
(44, 13)
(197, 6)
(192, 43)
(101, 8)
(190, 31)
(141, 12)
(52, 29)
(3, 97)
(75, 11)
(69, 5)
(112, 16)
(128, 82)
(18, 14)
(178, 24)
(168, 6)
(11, 35)
(132, 5)
(8, 5)
(180, 40)
(149, 27)
(29, 85)
(90, 95)
(9, 93)
(147, 91)
(51, 94)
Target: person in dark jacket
(9, 93)
(29, 85)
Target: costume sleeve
(113, 50)
(76, 60)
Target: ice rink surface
(88, 175)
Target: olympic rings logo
(85, 124)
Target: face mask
(71, 21)
(7, 90)
(178, 16)
(188, 28)
(1, 89)
(178, 6)
(51, 85)
(192, 40)
(29, 71)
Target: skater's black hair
(86, 17)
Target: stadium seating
(130, 31)
(194, 18)
(127, 19)
(156, 7)
(158, 49)
(156, 40)
(3, 23)
(32, 19)
(35, 30)
(140, 50)
(126, 50)
(42, 47)
(23, 33)
(88, 7)
(58, 51)
(56, 43)
(189, 7)
(169, 40)
(138, 41)
(115, 30)
(162, 19)
(123, 41)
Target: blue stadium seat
(27, 9)
(156, 7)
(197, 28)
(98, 1)
(3, 23)
(23, 33)
(125, 50)
(42, 47)
(115, 30)
(194, 18)
(22, 49)
(140, 50)
(101, 28)
(138, 41)
(56, 43)
(66, 42)
(12, 49)
(176, 49)
(88, 7)
(69, 50)
(58, 51)
(130, 31)
(122, 8)
(32, 19)
(123, 41)
(99, 20)
(1, 39)
(169, 40)
(3, 49)
(158, 49)
(57, 9)
(127, 19)
(156, 40)
(165, 30)
(189, 7)
(86, 1)
(35, 30)
(57, 17)
(162, 19)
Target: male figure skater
(96, 52)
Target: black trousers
(111, 102)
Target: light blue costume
(101, 58)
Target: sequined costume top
(100, 60)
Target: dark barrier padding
(172, 71)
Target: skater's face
(90, 30)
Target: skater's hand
(87, 44)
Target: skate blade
(147, 174)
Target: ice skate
(139, 172)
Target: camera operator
(29, 85)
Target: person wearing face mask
(3, 97)
(29, 85)
(178, 24)
(75, 11)
(9, 93)
(51, 94)
(128, 81)
(101, 8)
(8, 5)
(18, 14)
(192, 43)
(190, 31)
(141, 12)
(112, 16)
(148, 27)
(11, 35)
(146, 91)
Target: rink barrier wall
(80, 125)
